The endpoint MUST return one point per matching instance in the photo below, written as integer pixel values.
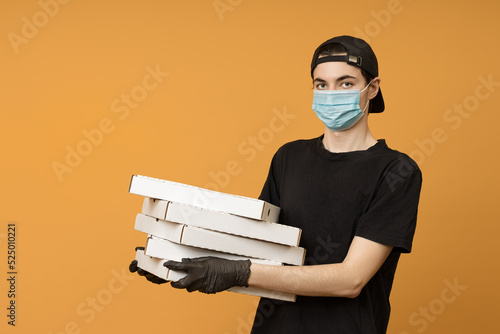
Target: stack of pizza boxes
(184, 221)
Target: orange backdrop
(95, 91)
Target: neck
(357, 138)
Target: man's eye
(321, 86)
(346, 85)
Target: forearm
(331, 280)
(344, 279)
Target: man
(354, 198)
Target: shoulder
(298, 146)
(293, 152)
(399, 171)
(394, 159)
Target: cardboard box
(221, 221)
(203, 198)
(222, 242)
(162, 248)
(160, 228)
(155, 266)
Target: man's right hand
(150, 277)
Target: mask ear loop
(366, 86)
(362, 92)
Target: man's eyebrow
(345, 77)
(338, 79)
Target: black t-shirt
(333, 197)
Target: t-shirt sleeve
(270, 192)
(391, 216)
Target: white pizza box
(155, 266)
(160, 228)
(221, 221)
(203, 198)
(165, 249)
(222, 242)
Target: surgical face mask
(338, 109)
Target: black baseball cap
(359, 54)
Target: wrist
(243, 272)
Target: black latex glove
(150, 277)
(210, 274)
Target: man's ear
(373, 89)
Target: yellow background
(229, 74)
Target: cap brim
(377, 104)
